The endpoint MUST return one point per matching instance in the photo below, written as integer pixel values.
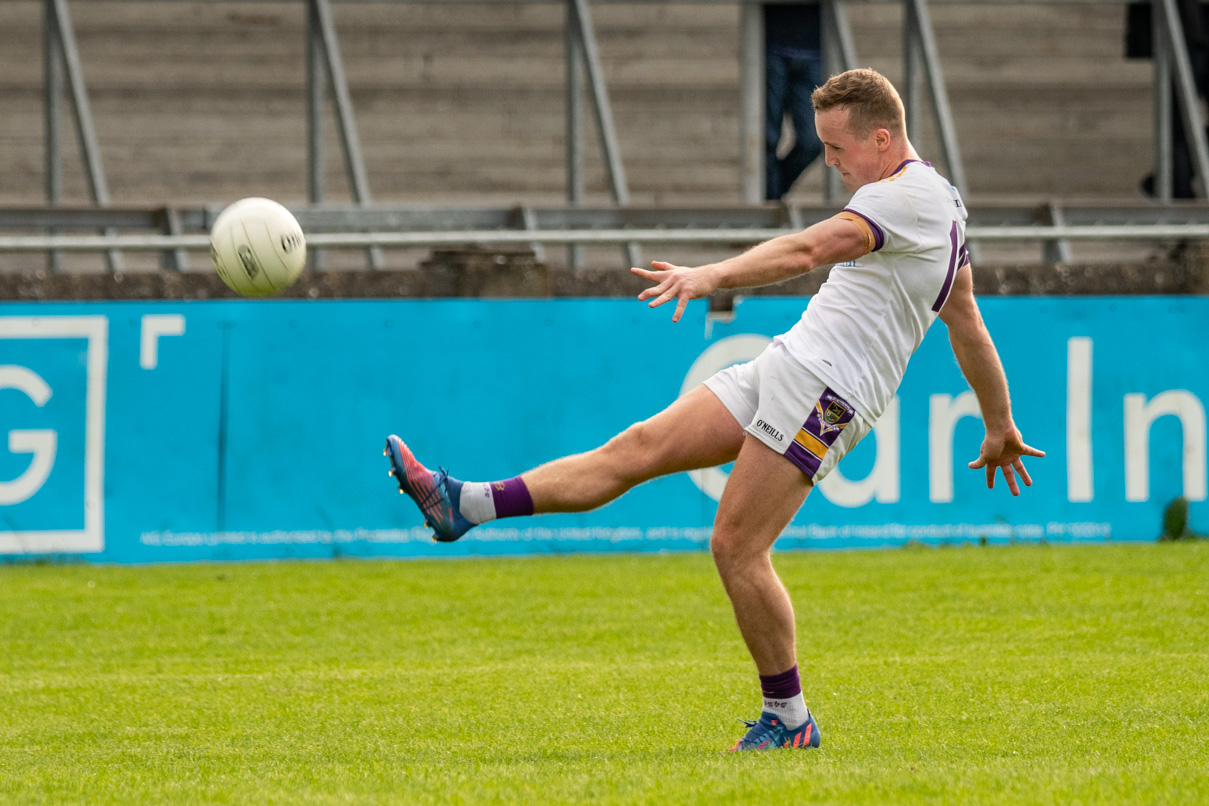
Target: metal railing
(174, 231)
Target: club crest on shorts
(822, 428)
(831, 414)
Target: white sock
(477, 505)
(792, 712)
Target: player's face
(858, 159)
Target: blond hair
(870, 98)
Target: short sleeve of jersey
(890, 213)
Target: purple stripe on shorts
(944, 289)
(803, 459)
(825, 423)
(963, 256)
(879, 237)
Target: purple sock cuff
(781, 686)
(511, 498)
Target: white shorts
(789, 409)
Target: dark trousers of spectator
(1182, 171)
(1194, 19)
(789, 80)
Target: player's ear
(882, 138)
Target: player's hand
(1005, 451)
(678, 283)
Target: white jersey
(859, 331)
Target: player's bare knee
(635, 452)
(728, 548)
(734, 545)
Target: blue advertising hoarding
(176, 431)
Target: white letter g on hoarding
(42, 443)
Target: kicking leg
(693, 432)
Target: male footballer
(786, 418)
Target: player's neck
(893, 162)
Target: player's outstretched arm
(1003, 446)
(835, 240)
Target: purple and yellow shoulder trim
(874, 237)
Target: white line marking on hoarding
(154, 326)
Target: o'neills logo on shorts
(768, 429)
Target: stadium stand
(463, 103)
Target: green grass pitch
(1023, 674)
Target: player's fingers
(680, 306)
(653, 291)
(667, 293)
(977, 463)
(666, 296)
(1027, 450)
(1010, 478)
(990, 477)
(1024, 476)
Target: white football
(257, 247)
